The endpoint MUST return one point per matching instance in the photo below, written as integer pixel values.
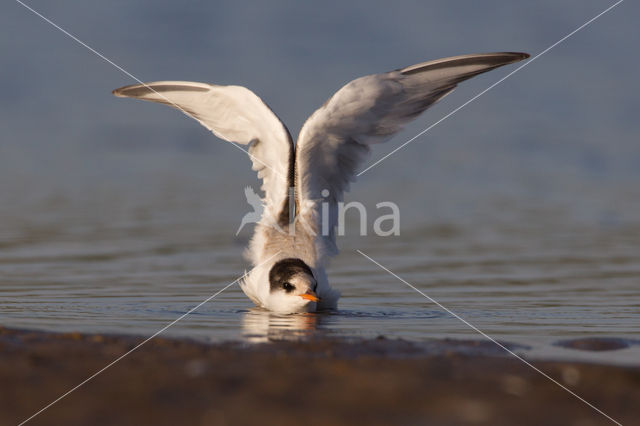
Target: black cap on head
(283, 270)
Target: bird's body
(293, 241)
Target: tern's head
(292, 287)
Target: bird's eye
(288, 287)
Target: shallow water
(521, 213)
(133, 262)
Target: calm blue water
(521, 213)
(129, 272)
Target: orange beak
(310, 296)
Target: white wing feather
(235, 114)
(335, 140)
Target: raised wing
(335, 140)
(235, 114)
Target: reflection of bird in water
(260, 325)
(254, 201)
(289, 267)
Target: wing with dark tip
(336, 139)
(235, 114)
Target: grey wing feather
(235, 114)
(335, 140)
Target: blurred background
(95, 189)
(559, 134)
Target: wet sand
(315, 382)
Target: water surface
(131, 272)
(520, 213)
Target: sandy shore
(317, 382)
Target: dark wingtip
(513, 57)
(520, 55)
(118, 92)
